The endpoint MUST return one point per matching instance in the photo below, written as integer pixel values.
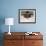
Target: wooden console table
(20, 39)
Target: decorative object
(27, 15)
(30, 33)
(9, 21)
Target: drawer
(33, 37)
(33, 43)
(9, 43)
(13, 43)
(16, 37)
(37, 43)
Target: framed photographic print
(27, 15)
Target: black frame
(26, 22)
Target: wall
(9, 8)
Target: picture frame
(27, 16)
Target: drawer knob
(33, 42)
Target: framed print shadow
(27, 16)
